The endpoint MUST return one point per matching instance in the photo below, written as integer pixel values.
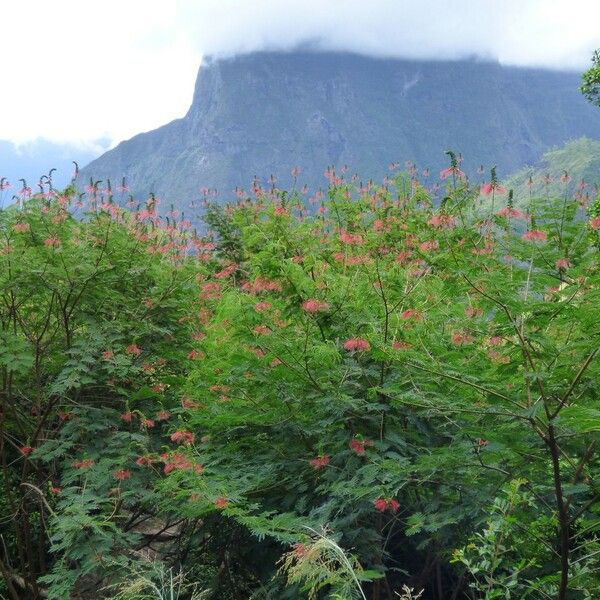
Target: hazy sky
(79, 70)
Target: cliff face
(263, 113)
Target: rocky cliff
(263, 113)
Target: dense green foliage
(590, 86)
(384, 392)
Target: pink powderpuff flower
(445, 173)
(472, 311)
(563, 263)
(146, 423)
(83, 464)
(52, 242)
(411, 314)
(108, 355)
(21, 227)
(163, 415)
(26, 450)
(319, 462)
(195, 354)
(442, 222)
(511, 213)
(122, 474)
(144, 461)
(401, 345)
(534, 235)
(262, 330)
(403, 257)
(429, 245)
(315, 306)
(595, 223)
(460, 338)
(359, 446)
(350, 238)
(262, 306)
(187, 402)
(221, 502)
(382, 504)
(183, 437)
(357, 344)
(133, 349)
(127, 416)
(488, 188)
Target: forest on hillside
(378, 394)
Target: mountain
(264, 113)
(33, 159)
(580, 159)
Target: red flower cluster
(122, 474)
(382, 504)
(356, 345)
(315, 306)
(319, 462)
(534, 235)
(359, 446)
(183, 437)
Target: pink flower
(163, 415)
(320, 461)
(563, 263)
(314, 306)
(357, 344)
(472, 311)
(403, 256)
(183, 437)
(511, 213)
(144, 461)
(401, 345)
(262, 330)
(133, 350)
(350, 238)
(460, 338)
(187, 402)
(595, 223)
(52, 242)
(262, 306)
(21, 227)
(382, 504)
(359, 446)
(221, 502)
(488, 188)
(107, 355)
(127, 416)
(83, 464)
(411, 314)
(442, 222)
(26, 450)
(534, 235)
(122, 474)
(146, 423)
(445, 173)
(429, 245)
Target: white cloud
(78, 71)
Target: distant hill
(580, 159)
(264, 113)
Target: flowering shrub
(381, 370)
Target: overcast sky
(79, 70)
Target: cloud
(557, 33)
(78, 71)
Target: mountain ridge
(264, 113)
